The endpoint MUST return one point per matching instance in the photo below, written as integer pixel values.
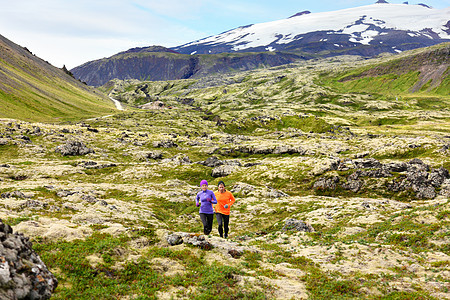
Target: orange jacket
(222, 199)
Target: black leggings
(225, 220)
(207, 220)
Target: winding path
(117, 103)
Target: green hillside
(33, 90)
(424, 71)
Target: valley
(339, 167)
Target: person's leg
(205, 223)
(226, 221)
(219, 218)
(209, 218)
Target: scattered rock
(235, 253)
(353, 185)
(73, 148)
(174, 239)
(23, 275)
(89, 199)
(326, 183)
(222, 171)
(212, 162)
(95, 165)
(242, 188)
(298, 225)
(65, 193)
(149, 155)
(14, 194)
(165, 144)
(273, 193)
(189, 238)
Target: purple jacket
(207, 199)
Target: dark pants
(207, 220)
(225, 220)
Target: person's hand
(226, 206)
(198, 204)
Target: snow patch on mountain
(362, 24)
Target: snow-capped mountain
(367, 30)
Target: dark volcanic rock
(23, 275)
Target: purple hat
(203, 182)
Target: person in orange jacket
(222, 209)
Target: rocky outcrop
(23, 275)
(189, 238)
(414, 175)
(72, 148)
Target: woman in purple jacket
(205, 199)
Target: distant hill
(423, 70)
(32, 89)
(159, 63)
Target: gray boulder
(369, 163)
(297, 225)
(23, 275)
(73, 148)
(353, 185)
(174, 239)
(326, 183)
(165, 144)
(212, 162)
(222, 171)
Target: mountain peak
(305, 12)
(424, 5)
(381, 1)
(155, 48)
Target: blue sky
(72, 32)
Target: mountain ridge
(376, 25)
(366, 31)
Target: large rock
(73, 148)
(23, 275)
(222, 171)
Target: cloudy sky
(72, 32)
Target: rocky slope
(339, 194)
(158, 63)
(32, 89)
(423, 70)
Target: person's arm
(232, 200)
(197, 202)
(213, 198)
